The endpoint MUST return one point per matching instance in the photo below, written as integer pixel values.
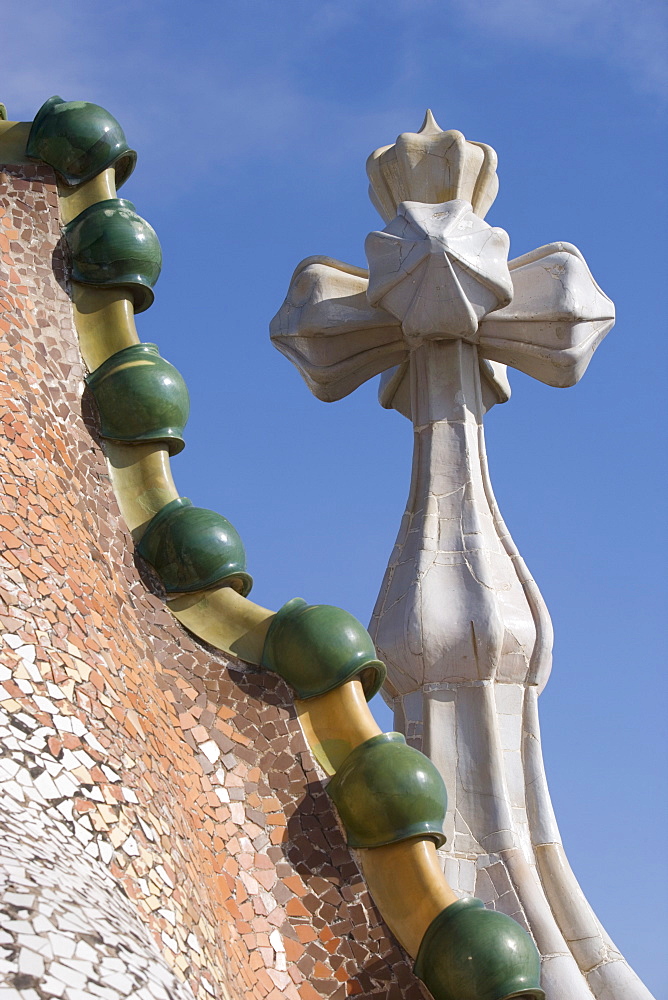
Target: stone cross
(459, 621)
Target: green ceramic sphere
(386, 791)
(140, 397)
(192, 548)
(470, 953)
(79, 140)
(112, 246)
(316, 648)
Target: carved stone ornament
(439, 270)
(459, 620)
(432, 166)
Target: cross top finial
(438, 272)
(432, 166)
(429, 126)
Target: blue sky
(253, 121)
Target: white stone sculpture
(459, 620)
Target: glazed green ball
(386, 791)
(317, 647)
(113, 247)
(192, 548)
(79, 140)
(470, 953)
(140, 397)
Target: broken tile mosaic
(165, 831)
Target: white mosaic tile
(67, 929)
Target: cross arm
(328, 330)
(557, 317)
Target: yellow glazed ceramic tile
(408, 887)
(13, 138)
(226, 620)
(105, 322)
(336, 722)
(142, 479)
(73, 200)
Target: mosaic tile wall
(164, 832)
